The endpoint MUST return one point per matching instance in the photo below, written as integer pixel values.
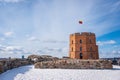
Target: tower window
(90, 48)
(72, 41)
(72, 48)
(90, 41)
(81, 56)
(80, 41)
(80, 48)
(91, 56)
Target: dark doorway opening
(81, 56)
(91, 56)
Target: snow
(30, 73)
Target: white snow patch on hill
(29, 73)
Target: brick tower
(83, 46)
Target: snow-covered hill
(29, 73)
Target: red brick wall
(89, 47)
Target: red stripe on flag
(80, 22)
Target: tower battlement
(83, 34)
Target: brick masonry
(83, 46)
(75, 64)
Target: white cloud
(54, 41)
(106, 42)
(33, 38)
(9, 48)
(116, 51)
(12, 51)
(109, 54)
(11, 1)
(116, 6)
(8, 34)
(95, 15)
(57, 52)
(2, 39)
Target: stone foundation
(75, 64)
(1, 68)
(12, 63)
(7, 64)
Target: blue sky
(43, 26)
